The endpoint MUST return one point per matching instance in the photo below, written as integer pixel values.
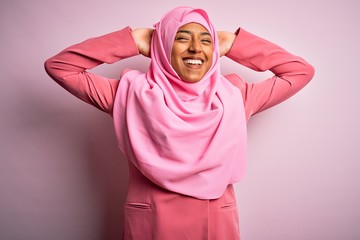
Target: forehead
(193, 28)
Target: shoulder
(237, 81)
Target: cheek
(210, 57)
(173, 58)
(174, 61)
(174, 55)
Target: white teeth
(193, 61)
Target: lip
(193, 66)
(194, 58)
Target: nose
(195, 46)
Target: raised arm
(68, 68)
(291, 73)
(142, 37)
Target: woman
(181, 124)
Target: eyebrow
(189, 32)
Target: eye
(181, 38)
(206, 41)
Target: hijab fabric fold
(189, 138)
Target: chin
(191, 79)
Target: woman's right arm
(68, 68)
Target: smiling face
(192, 52)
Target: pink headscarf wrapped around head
(189, 138)
(161, 46)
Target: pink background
(62, 177)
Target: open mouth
(193, 61)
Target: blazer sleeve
(291, 73)
(69, 67)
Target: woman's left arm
(291, 73)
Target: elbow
(52, 69)
(310, 72)
(307, 72)
(49, 67)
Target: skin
(142, 38)
(192, 43)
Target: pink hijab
(189, 138)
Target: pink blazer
(150, 211)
